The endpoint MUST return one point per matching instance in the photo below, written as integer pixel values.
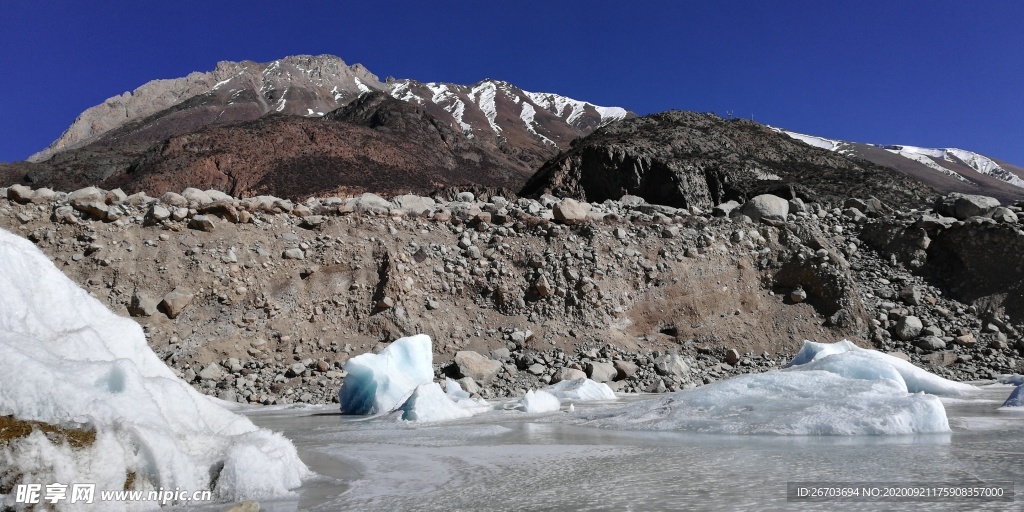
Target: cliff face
(685, 159)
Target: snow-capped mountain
(945, 169)
(494, 112)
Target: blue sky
(935, 74)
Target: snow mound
(539, 401)
(1016, 398)
(581, 390)
(916, 379)
(381, 383)
(66, 359)
(809, 402)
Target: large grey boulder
(965, 206)
(371, 203)
(194, 195)
(471, 364)
(601, 372)
(673, 364)
(766, 206)
(414, 205)
(569, 211)
(908, 328)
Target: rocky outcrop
(685, 159)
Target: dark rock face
(686, 159)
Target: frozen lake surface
(508, 460)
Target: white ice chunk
(539, 401)
(785, 403)
(1016, 398)
(380, 383)
(581, 390)
(916, 378)
(66, 359)
(453, 389)
(855, 365)
(429, 403)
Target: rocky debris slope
(263, 299)
(686, 159)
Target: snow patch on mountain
(572, 110)
(451, 103)
(925, 157)
(361, 86)
(813, 140)
(984, 165)
(402, 90)
(979, 163)
(527, 116)
(483, 94)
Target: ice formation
(828, 389)
(539, 401)
(916, 379)
(787, 403)
(581, 390)
(1016, 398)
(66, 359)
(381, 383)
(430, 403)
(401, 378)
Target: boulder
(202, 223)
(624, 369)
(176, 301)
(196, 196)
(766, 206)
(566, 373)
(142, 304)
(157, 213)
(19, 193)
(965, 206)
(569, 211)
(931, 343)
(413, 205)
(673, 364)
(908, 328)
(293, 254)
(371, 203)
(1000, 214)
(173, 199)
(471, 364)
(601, 372)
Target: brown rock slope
(376, 143)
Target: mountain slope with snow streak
(311, 86)
(945, 169)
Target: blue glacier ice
(381, 383)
